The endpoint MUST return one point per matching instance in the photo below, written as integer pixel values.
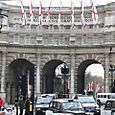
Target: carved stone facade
(77, 46)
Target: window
(16, 39)
(113, 104)
(108, 105)
(27, 40)
(22, 40)
(84, 40)
(33, 40)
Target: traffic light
(24, 85)
(65, 70)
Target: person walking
(21, 105)
(27, 103)
(28, 107)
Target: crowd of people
(24, 104)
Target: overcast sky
(56, 3)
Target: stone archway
(50, 83)
(19, 79)
(81, 74)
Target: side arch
(81, 76)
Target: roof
(65, 100)
(111, 100)
(105, 93)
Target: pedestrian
(1, 102)
(27, 106)
(21, 105)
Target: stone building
(48, 45)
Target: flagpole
(31, 11)
(72, 13)
(40, 14)
(24, 18)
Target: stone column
(72, 71)
(38, 74)
(107, 77)
(3, 74)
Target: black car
(42, 103)
(66, 106)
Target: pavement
(14, 112)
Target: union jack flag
(90, 87)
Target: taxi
(65, 106)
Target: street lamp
(64, 71)
(1, 19)
(112, 69)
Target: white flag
(31, 11)
(94, 13)
(40, 13)
(48, 16)
(59, 18)
(82, 13)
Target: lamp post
(112, 69)
(64, 71)
(1, 19)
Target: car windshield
(44, 99)
(72, 106)
(86, 99)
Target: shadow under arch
(49, 78)
(19, 78)
(81, 74)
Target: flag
(99, 88)
(72, 12)
(59, 18)
(40, 13)
(24, 17)
(48, 16)
(82, 13)
(94, 13)
(31, 11)
(90, 87)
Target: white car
(89, 104)
(103, 97)
(109, 108)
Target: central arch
(51, 84)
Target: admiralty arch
(48, 46)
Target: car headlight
(97, 109)
(37, 109)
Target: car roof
(110, 99)
(49, 94)
(105, 93)
(65, 100)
